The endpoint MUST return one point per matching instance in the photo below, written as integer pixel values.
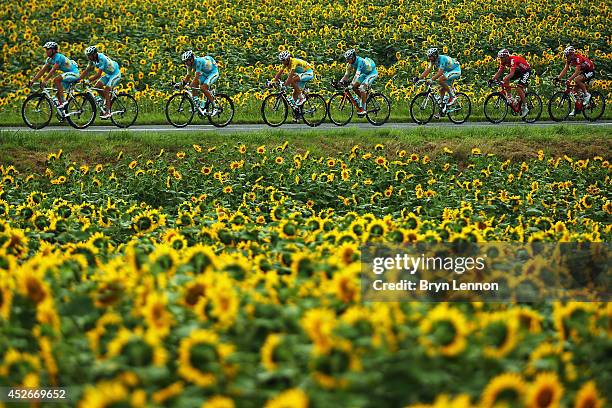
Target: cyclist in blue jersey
(365, 75)
(205, 73)
(108, 74)
(448, 70)
(56, 61)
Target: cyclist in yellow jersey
(300, 72)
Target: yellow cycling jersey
(299, 65)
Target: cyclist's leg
(366, 84)
(64, 81)
(303, 78)
(210, 79)
(523, 82)
(195, 86)
(293, 80)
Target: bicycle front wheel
(274, 110)
(559, 106)
(179, 110)
(461, 110)
(81, 110)
(340, 109)
(534, 104)
(495, 107)
(595, 108)
(124, 110)
(378, 109)
(37, 111)
(422, 108)
(314, 110)
(225, 111)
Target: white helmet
(569, 50)
(350, 53)
(50, 44)
(284, 56)
(432, 52)
(187, 55)
(503, 53)
(91, 50)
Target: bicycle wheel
(495, 107)
(274, 110)
(534, 104)
(225, 111)
(179, 110)
(81, 110)
(125, 110)
(314, 110)
(596, 107)
(340, 109)
(422, 108)
(461, 110)
(378, 109)
(37, 111)
(559, 106)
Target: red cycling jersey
(585, 64)
(517, 62)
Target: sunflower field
(228, 276)
(146, 38)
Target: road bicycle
(425, 104)
(341, 105)
(38, 108)
(561, 102)
(182, 106)
(497, 104)
(124, 108)
(275, 106)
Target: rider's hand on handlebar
(415, 80)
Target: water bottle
(99, 100)
(357, 100)
(56, 101)
(290, 100)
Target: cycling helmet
(350, 54)
(284, 56)
(187, 55)
(503, 53)
(569, 50)
(91, 50)
(432, 52)
(50, 44)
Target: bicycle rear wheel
(559, 106)
(125, 110)
(496, 107)
(179, 110)
(274, 110)
(314, 110)
(534, 104)
(37, 111)
(81, 110)
(596, 107)
(422, 108)
(340, 109)
(459, 111)
(225, 111)
(378, 109)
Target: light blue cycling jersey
(363, 65)
(107, 65)
(65, 63)
(447, 64)
(204, 65)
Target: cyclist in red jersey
(519, 70)
(585, 71)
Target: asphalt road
(295, 127)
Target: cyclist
(205, 73)
(448, 71)
(112, 76)
(56, 61)
(365, 75)
(300, 72)
(519, 70)
(585, 70)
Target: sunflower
(218, 401)
(502, 329)
(293, 398)
(507, 388)
(444, 331)
(268, 349)
(588, 397)
(546, 391)
(319, 323)
(345, 284)
(199, 350)
(156, 315)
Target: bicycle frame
(430, 91)
(509, 93)
(577, 96)
(348, 94)
(69, 92)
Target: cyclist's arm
(84, 73)
(438, 74)
(291, 72)
(510, 74)
(96, 76)
(51, 72)
(40, 73)
(425, 73)
(563, 71)
(577, 72)
(347, 72)
(498, 73)
(279, 73)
